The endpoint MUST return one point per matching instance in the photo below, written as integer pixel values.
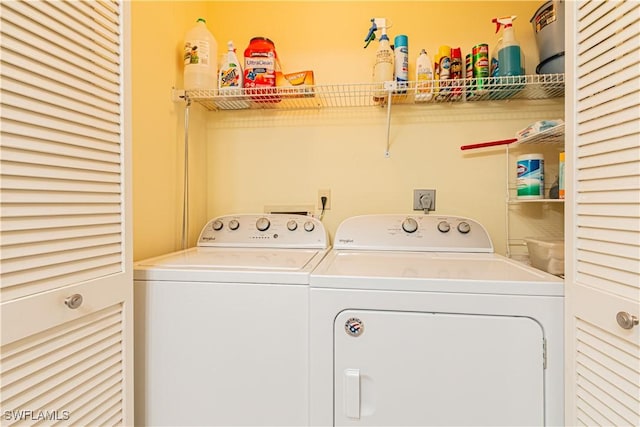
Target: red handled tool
(488, 144)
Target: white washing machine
(222, 328)
(415, 321)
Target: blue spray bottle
(509, 54)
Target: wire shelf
(554, 135)
(378, 94)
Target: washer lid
(241, 265)
(474, 273)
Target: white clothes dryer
(416, 321)
(221, 329)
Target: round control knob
(292, 225)
(309, 226)
(234, 224)
(263, 224)
(464, 227)
(444, 227)
(217, 225)
(410, 225)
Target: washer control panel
(264, 230)
(433, 233)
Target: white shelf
(362, 95)
(554, 135)
(519, 201)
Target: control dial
(234, 224)
(217, 225)
(410, 225)
(309, 226)
(292, 225)
(263, 224)
(444, 227)
(464, 227)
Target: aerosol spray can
(401, 62)
(456, 73)
(480, 63)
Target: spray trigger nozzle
(376, 24)
(505, 21)
(370, 37)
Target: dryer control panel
(429, 233)
(264, 230)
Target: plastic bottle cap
(401, 40)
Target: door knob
(74, 301)
(626, 320)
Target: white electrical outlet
(327, 194)
(424, 199)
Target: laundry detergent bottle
(509, 53)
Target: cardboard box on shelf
(298, 84)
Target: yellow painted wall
(242, 161)
(257, 159)
(158, 29)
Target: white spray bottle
(383, 66)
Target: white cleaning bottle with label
(424, 77)
(230, 77)
(383, 66)
(200, 58)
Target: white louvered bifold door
(603, 221)
(65, 246)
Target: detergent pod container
(260, 65)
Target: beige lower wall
(242, 161)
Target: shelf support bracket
(389, 87)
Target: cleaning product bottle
(444, 71)
(383, 66)
(509, 54)
(230, 80)
(401, 51)
(230, 76)
(494, 67)
(424, 77)
(200, 58)
(455, 72)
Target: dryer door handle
(352, 393)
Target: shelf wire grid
(378, 94)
